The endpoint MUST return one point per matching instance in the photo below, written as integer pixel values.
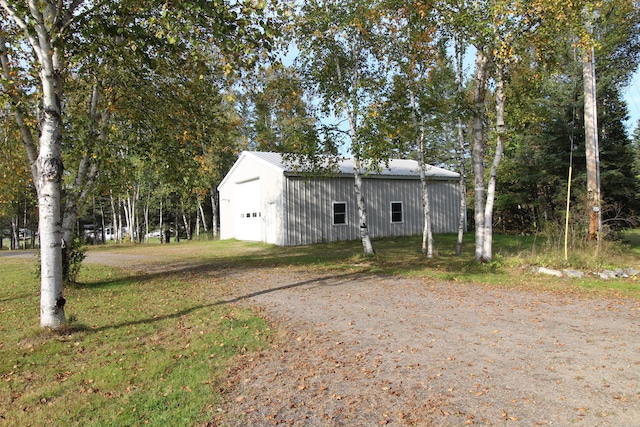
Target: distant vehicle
(24, 233)
(89, 233)
(155, 233)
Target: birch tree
(338, 44)
(500, 32)
(412, 49)
(54, 41)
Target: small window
(339, 213)
(396, 212)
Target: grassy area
(142, 350)
(153, 349)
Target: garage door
(248, 215)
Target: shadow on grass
(15, 298)
(330, 280)
(394, 256)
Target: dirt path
(361, 350)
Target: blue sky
(632, 96)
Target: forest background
(156, 100)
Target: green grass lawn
(141, 351)
(154, 349)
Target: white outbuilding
(267, 199)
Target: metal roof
(397, 168)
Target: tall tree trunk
(46, 158)
(78, 194)
(418, 125)
(204, 220)
(352, 117)
(128, 215)
(113, 212)
(15, 242)
(362, 210)
(197, 227)
(591, 145)
(94, 225)
(118, 227)
(176, 218)
(49, 169)
(214, 213)
(461, 152)
(478, 150)
(146, 219)
(162, 230)
(487, 252)
(103, 226)
(187, 224)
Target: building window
(339, 213)
(396, 212)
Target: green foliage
(75, 255)
(282, 119)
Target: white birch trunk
(114, 217)
(49, 168)
(204, 220)
(461, 154)
(362, 210)
(365, 236)
(352, 117)
(487, 251)
(45, 159)
(187, 225)
(49, 165)
(146, 220)
(427, 234)
(102, 224)
(418, 125)
(118, 227)
(127, 212)
(197, 228)
(15, 241)
(478, 151)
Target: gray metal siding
(444, 198)
(309, 208)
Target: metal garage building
(263, 198)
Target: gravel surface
(360, 350)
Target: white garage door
(248, 215)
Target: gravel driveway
(360, 350)
(366, 350)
